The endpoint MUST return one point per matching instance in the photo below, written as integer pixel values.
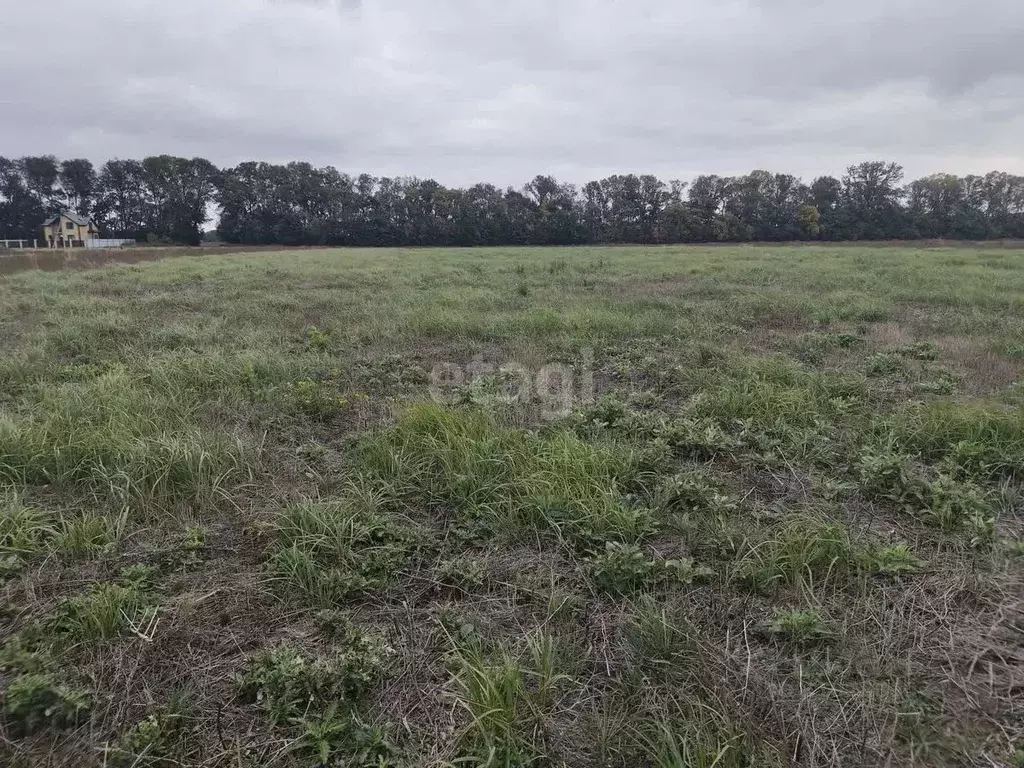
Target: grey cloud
(468, 90)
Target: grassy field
(751, 506)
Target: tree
(178, 191)
(121, 208)
(677, 223)
(21, 211)
(40, 176)
(826, 194)
(595, 213)
(937, 206)
(766, 204)
(1000, 197)
(558, 220)
(78, 182)
(809, 221)
(707, 196)
(873, 196)
(170, 198)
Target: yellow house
(67, 230)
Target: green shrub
(336, 738)
(694, 492)
(947, 503)
(895, 559)
(886, 474)
(150, 742)
(462, 572)
(318, 340)
(885, 364)
(971, 459)
(11, 566)
(288, 685)
(192, 543)
(624, 568)
(920, 350)
(799, 627)
(943, 384)
(846, 340)
(26, 652)
(194, 538)
(954, 506)
(608, 412)
(138, 577)
(699, 438)
(32, 701)
(319, 699)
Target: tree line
(170, 199)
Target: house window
(70, 225)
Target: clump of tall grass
(228, 376)
(979, 440)
(24, 530)
(507, 698)
(89, 534)
(118, 438)
(103, 612)
(767, 393)
(697, 735)
(657, 638)
(513, 479)
(805, 551)
(335, 550)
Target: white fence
(110, 243)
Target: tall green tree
(872, 195)
(121, 208)
(78, 185)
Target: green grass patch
(332, 551)
(511, 479)
(119, 439)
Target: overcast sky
(500, 90)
